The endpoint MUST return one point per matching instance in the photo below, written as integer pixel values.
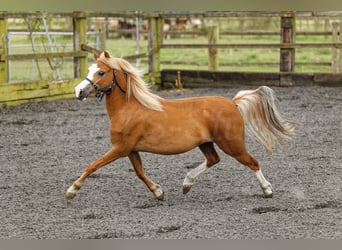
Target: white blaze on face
(82, 85)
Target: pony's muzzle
(83, 90)
(83, 93)
(79, 95)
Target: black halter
(106, 90)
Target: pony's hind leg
(237, 150)
(253, 164)
(135, 159)
(211, 159)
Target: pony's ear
(96, 55)
(106, 53)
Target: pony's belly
(166, 150)
(169, 146)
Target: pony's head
(101, 79)
(109, 74)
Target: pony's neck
(115, 101)
(118, 101)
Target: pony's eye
(101, 73)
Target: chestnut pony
(141, 121)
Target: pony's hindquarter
(259, 112)
(262, 117)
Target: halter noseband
(106, 90)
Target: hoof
(268, 193)
(161, 197)
(159, 193)
(69, 195)
(186, 188)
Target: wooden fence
(13, 93)
(287, 48)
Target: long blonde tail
(260, 113)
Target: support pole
(3, 50)
(154, 41)
(336, 60)
(288, 37)
(213, 37)
(339, 49)
(137, 38)
(103, 36)
(334, 51)
(80, 37)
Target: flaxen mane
(136, 86)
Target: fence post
(288, 37)
(213, 37)
(336, 53)
(155, 36)
(3, 50)
(80, 37)
(103, 36)
(340, 50)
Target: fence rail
(287, 46)
(251, 46)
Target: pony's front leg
(211, 159)
(110, 156)
(139, 170)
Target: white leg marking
(70, 193)
(159, 193)
(192, 175)
(265, 185)
(71, 189)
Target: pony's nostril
(81, 93)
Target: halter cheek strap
(106, 90)
(116, 82)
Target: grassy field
(259, 60)
(197, 59)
